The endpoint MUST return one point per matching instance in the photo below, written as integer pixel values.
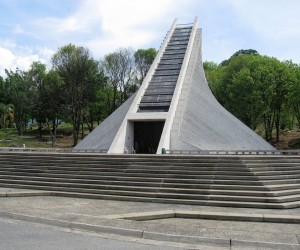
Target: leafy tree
(238, 53)
(36, 75)
(20, 94)
(254, 87)
(213, 74)
(119, 69)
(238, 91)
(143, 59)
(97, 109)
(294, 91)
(273, 78)
(51, 98)
(77, 68)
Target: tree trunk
(76, 127)
(277, 124)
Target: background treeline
(260, 90)
(78, 89)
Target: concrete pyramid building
(174, 108)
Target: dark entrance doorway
(147, 136)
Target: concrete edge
(74, 225)
(155, 215)
(140, 234)
(186, 214)
(263, 245)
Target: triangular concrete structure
(174, 108)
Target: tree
(119, 69)
(51, 98)
(36, 75)
(98, 107)
(213, 74)
(143, 60)
(294, 91)
(238, 53)
(238, 91)
(20, 95)
(77, 68)
(253, 87)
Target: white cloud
(270, 26)
(11, 61)
(104, 26)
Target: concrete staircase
(237, 181)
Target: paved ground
(27, 236)
(105, 216)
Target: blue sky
(32, 30)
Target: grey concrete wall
(201, 122)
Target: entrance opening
(147, 136)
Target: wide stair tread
(243, 181)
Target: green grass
(9, 137)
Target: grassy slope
(31, 138)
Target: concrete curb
(141, 234)
(74, 225)
(207, 215)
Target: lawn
(32, 139)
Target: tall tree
(36, 75)
(20, 94)
(78, 69)
(143, 60)
(52, 101)
(119, 69)
(294, 90)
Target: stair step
(232, 180)
(174, 201)
(168, 179)
(68, 188)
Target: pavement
(192, 227)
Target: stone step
(275, 171)
(214, 189)
(267, 167)
(129, 169)
(120, 162)
(278, 177)
(146, 174)
(49, 186)
(87, 183)
(283, 187)
(89, 180)
(280, 182)
(161, 200)
(166, 179)
(243, 181)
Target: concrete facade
(194, 120)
